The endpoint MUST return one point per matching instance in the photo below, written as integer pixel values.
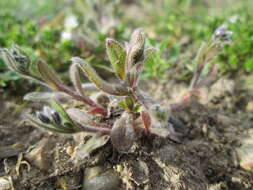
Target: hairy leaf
(123, 134)
(50, 127)
(63, 113)
(75, 78)
(48, 75)
(118, 90)
(84, 149)
(148, 54)
(127, 104)
(117, 56)
(46, 96)
(135, 48)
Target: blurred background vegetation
(58, 30)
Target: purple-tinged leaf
(122, 133)
(83, 117)
(75, 78)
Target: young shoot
(136, 112)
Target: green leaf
(117, 56)
(137, 108)
(50, 127)
(114, 89)
(129, 103)
(62, 112)
(75, 78)
(48, 75)
(123, 104)
(149, 54)
(9, 60)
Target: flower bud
(42, 117)
(49, 115)
(135, 48)
(222, 34)
(56, 117)
(20, 57)
(16, 59)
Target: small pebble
(249, 106)
(70, 150)
(5, 184)
(99, 179)
(245, 151)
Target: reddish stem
(84, 99)
(104, 131)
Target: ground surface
(212, 154)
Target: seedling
(138, 112)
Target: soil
(207, 158)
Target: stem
(101, 125)
(84, 99)
(104, 131)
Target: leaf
(46, 96)
(48, 75)
(149, 54)
(79, 116)
(122, 133)
(84, 150)
(16, 60)
(75, 78)
(115, 89)
(62, 112)
(84, 118)
(50, 127)
(129, 103)
(137, 108)
(123, 104)
(117, 56)
(9, 60)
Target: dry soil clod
(98, 178)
